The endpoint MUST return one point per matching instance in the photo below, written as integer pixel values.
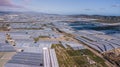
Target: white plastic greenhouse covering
(101, 45)
(75, 46)
(29, 46)
(50, 59)
(6, 48)
(24, 59)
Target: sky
(69, 7)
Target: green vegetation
(93, 56)
(37, 38)
(44, 37)
(67, 57)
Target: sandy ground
(5, 56)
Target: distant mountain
(4, 12)
(29, 12)
(9, 12)
(101, 18)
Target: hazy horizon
(64, 7)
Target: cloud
(87, 9)
(102, 8)
(116, 5)
(26, 1)
(9, 3)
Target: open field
(67, 57)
